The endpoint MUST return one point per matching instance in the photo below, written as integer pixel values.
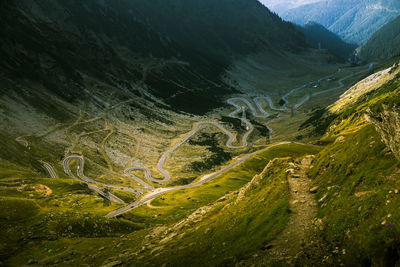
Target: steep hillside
(97, 78)
(140, 132)
(126, 43)
(223, 28)
(384, 44)
(201, 224)
(321, 38)
(355, 21)
(356, 176)
(116, 82)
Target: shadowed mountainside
(320, 37)
(384, 44)
(173, 51)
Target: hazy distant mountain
(384, 44)
(320, 37)
(353, 20)
(284, 5)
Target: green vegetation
(387, 94)
(83, 59)
(235, 226)
(48, 219)
(19, 161)
(218, 157)
(391, 98)
(36, 209)
(355, 21)
(79, 251)
(358, 180)
(218, 224)
(384, 44)
(321, 38)
(358, 188)
(318, 121)
(176, 205)
(347, 117)
(127, 197)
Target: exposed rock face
(363, 87)
(387, 123)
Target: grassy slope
(69, 211)
(176, 205)
(233, 228)
(57, 224)
(34, 208)
(52, 228)
(384, 44)
(358, 178)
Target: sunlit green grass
(68, 210)
(234, 227)
(359, 178)
(178, 204)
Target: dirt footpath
(283, 250)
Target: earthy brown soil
(283, 250)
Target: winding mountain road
(198, 126)
(341, 85)
(92, 183)
(233, 101)
(22, 141)
(284, 98)
(49, 169)
(161, 162)
(205, 179)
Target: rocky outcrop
(362, 88)
(387, 123)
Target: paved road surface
(205, 179)
(49, 169)
(22, 141)
(231, 139)
(92, 183)
(233, 101)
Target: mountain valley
(193, 133)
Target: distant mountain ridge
(353, 20)
(384, 44)
(320, 37)
(283, 5)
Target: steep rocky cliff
(387, 124)
(384, 113)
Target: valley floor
(256, 111)
(207, 200)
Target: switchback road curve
(233, 101)
(260, 113)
